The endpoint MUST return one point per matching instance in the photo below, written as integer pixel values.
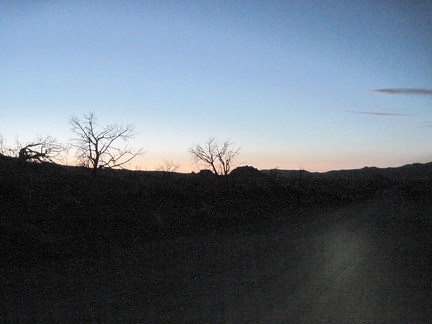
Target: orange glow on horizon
(187, 166)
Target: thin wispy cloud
(376, 113)
(404, 91)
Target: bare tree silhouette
(98, 147)
(3, 145)
(219, 157)
(168, 166)
(43, 149)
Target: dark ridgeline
(53, 214)
(63, 201)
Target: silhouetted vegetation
(219, 157)
(40, 150)
(168, 166)
(98, 148)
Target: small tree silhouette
(219, 157)
(168, 166)
(40, 150)
(98, 147)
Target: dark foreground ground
(362, 263)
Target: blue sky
(294, 83)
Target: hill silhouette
(409, 172)
(56, 204)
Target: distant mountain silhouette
(409, 172)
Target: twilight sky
(318, 85)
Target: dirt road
(360, 264)
(365, 263)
